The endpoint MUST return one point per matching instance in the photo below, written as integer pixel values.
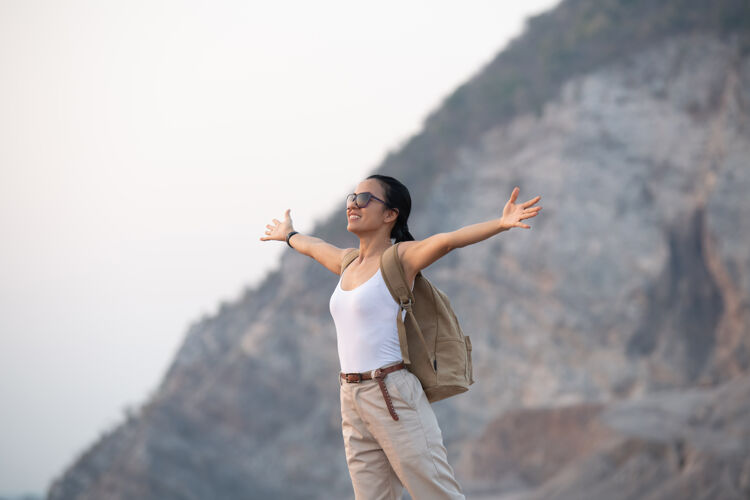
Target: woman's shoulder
(403, 247)
(409, 270)
(347, 257)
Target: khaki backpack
(433, 345)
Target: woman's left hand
(514, 213)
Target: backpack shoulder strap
(395, 279)
(393, 275)
(348, 259)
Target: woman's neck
(370, 248)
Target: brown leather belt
(379, 375)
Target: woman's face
(373, 216)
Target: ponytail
(401, 233)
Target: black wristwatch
(291, 233)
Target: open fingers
(527, 204)
(514, 194)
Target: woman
(386, 452)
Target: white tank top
(366, 330)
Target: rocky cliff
(688, 443)
(627, 300)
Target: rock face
(631, 289)
(670, 444)
(524, 448)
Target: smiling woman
(179, 104)
(391, 435)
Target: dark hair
(397, 196)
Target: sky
(144, 146)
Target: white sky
(144, 145)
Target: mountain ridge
(570, 313)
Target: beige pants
(383, 454)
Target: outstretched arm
(416, 255)
(329, 256)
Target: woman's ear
(392, 216)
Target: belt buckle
(354, 381)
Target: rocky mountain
(687, 443)
(611, 341)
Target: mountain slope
(634, 278)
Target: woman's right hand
(280, 229)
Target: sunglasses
(361, 200)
